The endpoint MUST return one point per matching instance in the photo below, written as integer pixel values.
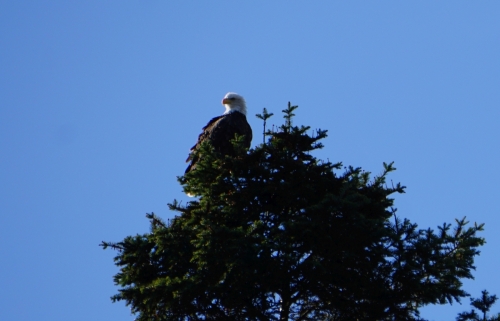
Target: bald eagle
(221, 129)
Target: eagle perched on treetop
(221, 130)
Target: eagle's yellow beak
(226, 101)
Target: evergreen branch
(114, 246)
(156, 221)
(265, 116)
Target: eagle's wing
(226, 129)
(220, 131)
(206, 133)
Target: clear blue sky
(101, 100)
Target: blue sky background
(101, 100)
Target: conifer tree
(277, 234)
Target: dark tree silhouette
(278, 234)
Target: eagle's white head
(234, 102)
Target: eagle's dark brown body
(220, 131)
